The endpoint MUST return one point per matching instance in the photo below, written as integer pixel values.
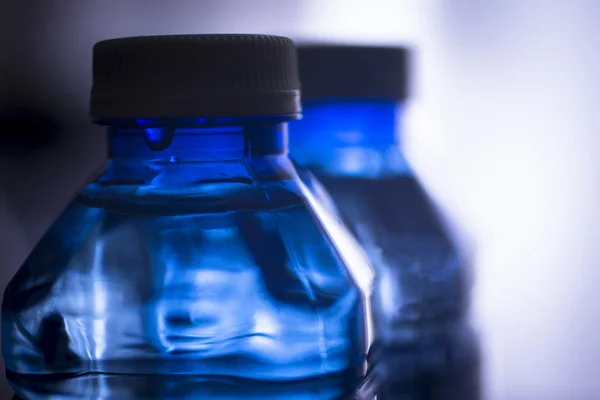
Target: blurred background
(502, 130)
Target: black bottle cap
(353, 72)
(187, 76)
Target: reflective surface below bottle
(171, 277)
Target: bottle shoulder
(125, 224)
(189, 188)
(183, 282)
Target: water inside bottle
(424, 344)
(220, 290)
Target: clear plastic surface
(195, 267)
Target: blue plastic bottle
(347, 147)
(195, 266)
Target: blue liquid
(420, 291)
(210, 280)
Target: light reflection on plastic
(351, 253)
(99, 290)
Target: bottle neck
(350, 138)
(196, 140)
(372, 124)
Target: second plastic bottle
(348, 148)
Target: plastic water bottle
(348, 148)
(196, 266)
